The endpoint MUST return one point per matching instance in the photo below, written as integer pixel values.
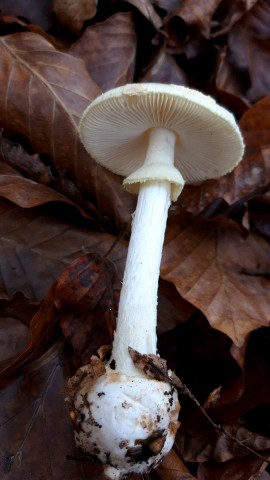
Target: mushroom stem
(137, 317)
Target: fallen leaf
(109, 50)
(40, 13)
(256, 369)
(250, 468)
(201, 358)
(44, 332)
(259, 215)
(51, 79)
(72, 14)
(37, 246)
(206, 262)
(28, 165)
(43, 94)
(147, 9)
(84, 299)
(243, 68)
(27, 193)
(198, 15)
(19, 308)
(165, 70)
(36, 434)
(231, 441)
(13, 338)
(228, 13)
(173, 468)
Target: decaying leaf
(34, 418)
(228, 13)
(173, 468)
(165, 70)
(84, 299)
(243, 68)
(147, 9)
(26, 193)
(248, 468)
(28, 165)
(198, 15)
(39, 13)
(109, 50)
(39, 245)
(206, 261)
(73, 13)
(55, 88)
(44, 331)
(82, 304)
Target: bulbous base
(126, 422)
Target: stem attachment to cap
(158, 164)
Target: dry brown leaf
(28, 165)
(43, 333)
(198, 15)
(13, 339)
(36, 12)
(43, 94)
(198, 441)
(147, 9)
(165, 70)
(27, 193)
(36, 248)
(109, 50)
(172, 468)
(206, 261)
(172, 309)
(82, 303)
(36, 434)
(255, 395)
(228, 14)
(84, 300)
(258, 215)
(250, 468)
(73, 13)
(244, 67)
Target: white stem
(137, 316)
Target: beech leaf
(72, 14)
(34, 417)
(198, 14)
(173, 468)
(84, 300)
(206, 261)
(27, 193)
(147, 9)
(165, 70)
(28, 165)
(40, 13)
(43, 94)
(109, 50)
(243, 70)
(37, 247)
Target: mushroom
(159, 137)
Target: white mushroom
(158, 137)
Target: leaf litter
(61, 214)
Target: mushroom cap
(115, 129)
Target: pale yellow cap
(115, 129)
